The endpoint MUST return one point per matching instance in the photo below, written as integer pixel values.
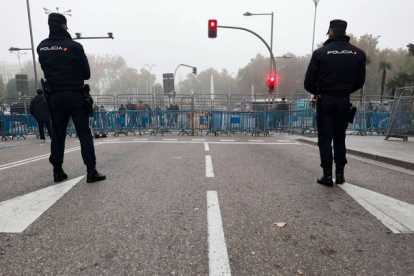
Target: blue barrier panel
(270, 120)
(15, 126)
(70, 129)
(380, 122)
(305, 120)
(235, 118)
(217, 121)
(359, 123)
(282, 120)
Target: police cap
(337, 23)
(56, 19)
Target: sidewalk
(394, 151)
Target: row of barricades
(200, 122)
(17, 126)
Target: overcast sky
(170, 32)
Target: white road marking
(169, 139)
(255, 140)
(373, 162)
(206, 147)
(18, 213)
(209, 166)
(380, 164)
(396, 215)
(226, 140)
(32, 159)
(112, 140)
(198, 139)
(198, 142)
(142, 139)
(217, 249)
(176, 157)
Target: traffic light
(212, 28)
(271, 82)
(195, 70)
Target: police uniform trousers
(332, 122)
(64, 105)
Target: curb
(387, 160)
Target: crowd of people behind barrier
(287, 114)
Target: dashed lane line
(206, 147)
(255, 140)
(396, 215)
(218, 259)
(226, 140)
(209, 166)
(18, 213)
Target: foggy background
(164, 34)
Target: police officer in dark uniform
(335, 71)
(65, 67)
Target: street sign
(168, 82)
(22, 84)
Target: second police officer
(65, 68)
(335, 71)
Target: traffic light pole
(247, 30)
(194, 68)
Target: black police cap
(56, 18)
(337, 23)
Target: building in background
(8, 71)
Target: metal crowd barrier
(401, 123)
(205, 115)
(14, 126)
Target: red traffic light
(212, 28)
(271, 83)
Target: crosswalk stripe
(32, 159)
(18, 213)
(396, 215)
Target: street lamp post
(194, 71)
(79, 36)
(150, 66)
(31, 40)
(314, 23)
(231, 74)
(18, 54)
(47, 11)
(271, 31)
(277, 81)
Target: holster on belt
(352, 112)
(88, 99)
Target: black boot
(59, 176)
(326, 179)
(339, 173)
(94, 176)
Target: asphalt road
(151, 216)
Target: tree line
(387, 69)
